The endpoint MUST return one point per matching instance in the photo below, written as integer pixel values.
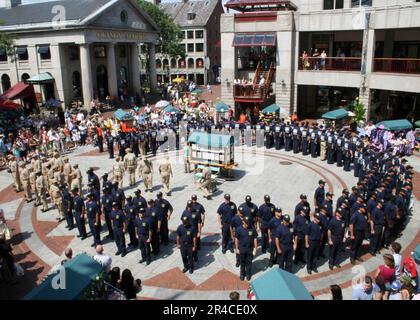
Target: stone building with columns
(372, 52)
(75, 49)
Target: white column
(368, 61)
(112, 70)
(135, 67)
(152, 66)
(86, 74)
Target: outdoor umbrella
(395, 125)
(335, 114)
(170, 109)
(271, 109)
(162, 104)
(222, 107)
(277, 284)
(53, 103)
(417, 124)
(197, 91)
(178, 80)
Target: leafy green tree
(359, 111)
(7, 42)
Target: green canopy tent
(335, 114)
(171, 109)
(79, 273)
(211, 141)
(41, 78)
(271, 109)
(197, 91)
(417, 124)
(277, 284)
(222, 107)
(395, 125)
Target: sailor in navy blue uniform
(93, 213)
(347, 155)
(358, 227)
(303, 205)
(344, 196)
(325, 220)
(110, 144)
(236, 222)
(130, 211)
(330, 149)
(67, 207)
(246, 247)
(339, 144)
(284, 239)
(93, 179)
(166, 209)
(272, 227)
(106, 202)
(139, 200)
(312, 242)
(79, 213)
(105, 182)
(226, 212)
(328, 203)
(288, 137)
(319, 195)
(186, 241)
(118, 196)
(305, 143)
(296, 139)
(144, 234)
(299, 225)
(199, 209)
(265, 213)
(194, 219)
(119, 227)
(377, 228)
(314, 141)
(336, 238)
(154, 215)
(250, 210)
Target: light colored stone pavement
(259, 172)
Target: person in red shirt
(100, 138)
(385, 274)
(409, 268)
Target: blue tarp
(336, 114)
(271, 109)
(121, 115)
(277, 284)
(211, 141)
(395, 125)
(79, 274)
(170, 109)
(222, 107)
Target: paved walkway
(40, 241)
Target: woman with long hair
(128, 285)
(385, 274)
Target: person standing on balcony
(315, 56)
(305, 60)
(323, 57)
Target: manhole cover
(285, 163)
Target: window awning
(20, 90)
(254, 40)
(43, 49)
(41, 78)
(21, 50)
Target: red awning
(8, 105)
(19, 91)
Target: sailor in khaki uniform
(146, 172)
(165, 171)
(41, 189)
(32, 181)
(118, 172)
(67, 169)
(130, 164)
(24, 178)
(79, 177)
(14, 169)
(57, 197)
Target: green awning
(222, 107)
(271, 109)
(417, 124)
(335, 114)
(277, 284)
(211, 141)
(395, 125)
(41, 78)
(79, 274)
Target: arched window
(25, 77)
(5, 82)
(173, 63)
(158, 64)
(199, 63)
(165, 63)
(76, 80)
(181, 63)
(190, 63)
(102, 81)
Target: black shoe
(315, 270)
(109, 237)
(118, 253)
(248, 278)
(321, 256)
(352, 261)
(191, 271)
(231, 250)
(237, 264)
(195, 259)
(309, 271)
(184, 270)
(84, 237)
(338, 266)
(71, 228)
(242, 278)
(124, 254)
(224, 251)
(331, 266)
(142, 260)
(147, 263)
(78, 236)
(373, 253)
(270, 264)
(359, 259)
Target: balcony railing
(397, 65)
(331, 63)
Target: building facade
(75, 49)
(370, 50)
(200, 39)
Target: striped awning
(41, 78)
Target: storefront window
(100, 52)
(190, 34)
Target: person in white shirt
(104, 260)
(396, 248)
(262, 81)
(369, 128)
